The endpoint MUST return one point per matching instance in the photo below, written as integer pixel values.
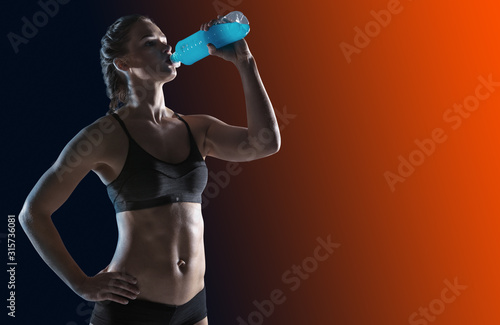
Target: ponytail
(113, 46)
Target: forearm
(261, 120)
(48, 243)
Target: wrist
(245, 62)
(78, 285)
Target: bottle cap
(233, 17)
(175, 61)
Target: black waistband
(150, 312)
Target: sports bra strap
(122, 124)
(187, 125)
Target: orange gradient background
(348, 123)
(352, 122)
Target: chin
(171, 77)
(171, 74)
(165, 75)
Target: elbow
(264, 144)
(272, 147)
(275, 145)
(25, 217)
(28, 217)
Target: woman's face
(149, 54)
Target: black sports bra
(146, 181)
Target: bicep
(223, 140)
(233, 143)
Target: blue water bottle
(230, 28)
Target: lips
(168, 60)
(173, 64)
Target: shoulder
(200, 121)
(105, 125)
(92, 140)
(97, 131)
(199, 124)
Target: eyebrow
(151, 35)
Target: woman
(152, 161)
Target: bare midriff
(163, 248)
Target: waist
(163, 248)
(173, 287)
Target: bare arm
(35, 219)
(50, 192)
(261, 137)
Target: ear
(121, 64)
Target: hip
(142, 311)
(167, 279)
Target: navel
(181, 263)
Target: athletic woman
(152, 160)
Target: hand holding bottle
(234, 52)
(225, 34)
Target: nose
(167, 48)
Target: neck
(146, 99)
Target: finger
(122, 288)
(125, 286)
(212, 22)
(124, 277)
(115, 298)
(122, 292)
(211, 49)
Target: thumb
(211, 49)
